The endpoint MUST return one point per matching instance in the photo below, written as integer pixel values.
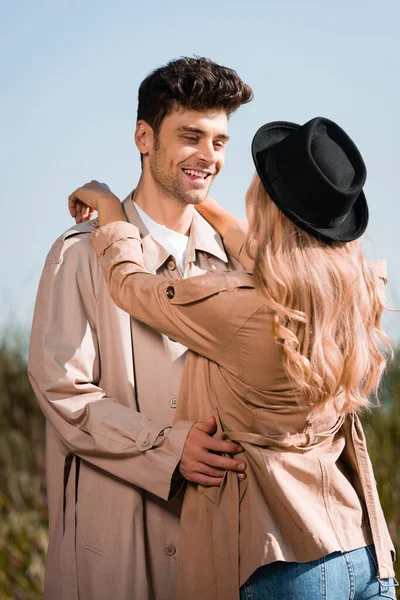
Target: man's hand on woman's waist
(201, 460)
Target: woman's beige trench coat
(107, 386)
(310, 489)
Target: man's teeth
(195, 173)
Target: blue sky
(69, 78)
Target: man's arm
(64, 369)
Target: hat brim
(351, 228)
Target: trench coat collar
(201, 237)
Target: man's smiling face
(189, 152)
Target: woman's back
(309, 483)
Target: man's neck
(163, 207)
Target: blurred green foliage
(23, 525)
(23, 512)
(382, 430)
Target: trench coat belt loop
(69, 572)
(371, 497)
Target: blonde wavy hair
(327, 306)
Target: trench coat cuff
(178, 485)
(176, 441)
(107, 235)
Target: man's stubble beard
(169, 183)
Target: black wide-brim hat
(314, 173)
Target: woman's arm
(219, 218)
(189, 311)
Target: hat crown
(322, 166)
(317, 169)
(333, 162)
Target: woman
(284, 354)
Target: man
(107, 384)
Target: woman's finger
(72, 199)
(89, 213)
(78, 213)
(85, 212)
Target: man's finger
(223, 462)
(204, 469)
(211, 443)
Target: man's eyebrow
(188, 129)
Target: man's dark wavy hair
(195, 84)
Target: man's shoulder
(76, 238)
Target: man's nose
(208, 152)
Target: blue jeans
(338, 576)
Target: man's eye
(190, 138)
(219, 145)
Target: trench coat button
(171, 265)
(170, 292)
(145, 443)
(172, 402)
(170, 550)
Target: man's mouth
(196, 175)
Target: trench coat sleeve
(190, 311)
(235, 244)
(64, 370)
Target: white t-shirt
(173, 241)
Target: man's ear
(144, 137)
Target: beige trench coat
(107, 386)
(310, 489)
